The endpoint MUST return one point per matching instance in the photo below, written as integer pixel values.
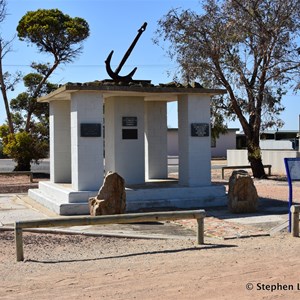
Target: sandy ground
(77, 267)
(80, 267)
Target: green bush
(24, 148)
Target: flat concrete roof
(149, 92)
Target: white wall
(125, 156)
(87, 152)
(276, 144)
(60, 141)
(269, 157)
(194, 151)
(224, 142)
(156, 156)
(173, 142)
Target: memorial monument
(120, 125)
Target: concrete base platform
(63, 200)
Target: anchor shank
(140, 31)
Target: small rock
(111, 198)
(242, 194)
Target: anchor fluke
(115, 74)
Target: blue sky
(113, 26)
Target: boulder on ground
(242, 193)
(111, 198)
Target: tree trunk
(37, 91)
(4, 93)
(23, 165)
(254, 157)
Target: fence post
(200, 231)
(295, 221)
(108, 219)
(19, 243)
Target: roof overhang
(150, 93)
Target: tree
(250, 48)
(53, 33)
(7, 80)
(25, 103)
(26, 146)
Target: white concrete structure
(135, 122)
(191, 154)
(269, 157)
(60, 130)
(126, 156)
(156, 147)
(276, 145)
(86, 173)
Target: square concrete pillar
(194, 140)
(60, 141)
(124, 138)
(87, 141)
(156, 145)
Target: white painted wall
(269, 157)
(237, 157)
(194, 152)
(125, 156)
(60, 141)
(224, 142)
(87, 152)
(276, 144)
(156, 153)
(173, 142)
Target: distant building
(273, 140)
(275, 146)
(172, 141)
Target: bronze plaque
(199, 129)
(90, 130)
(129, 121)
(129, 134)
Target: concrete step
(174, 203)
(65, 193)
(65, 201)
(57, 205)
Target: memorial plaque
(129, 121)
(200, 129)
(90, 130)
(292, 165)
(129, 134)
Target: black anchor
(115, 75)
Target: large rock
(242, 194)
(111, 198)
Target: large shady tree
(250, 48)
(59, 36)
(54, 33)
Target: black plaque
(129, 121)
(200, 129)
(129, 134)
(90, 130)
